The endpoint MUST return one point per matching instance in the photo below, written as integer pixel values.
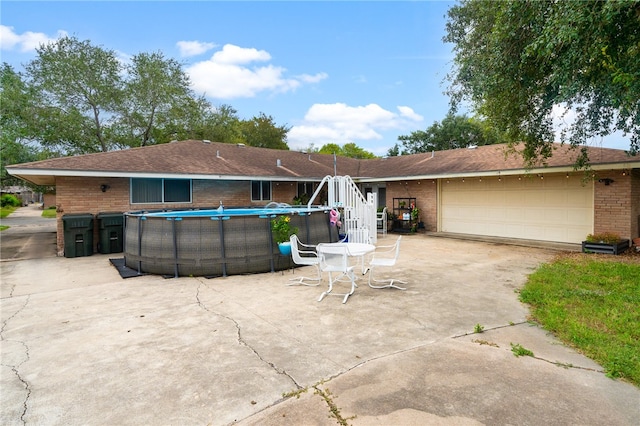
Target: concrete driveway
(80, 345)
(30, 236)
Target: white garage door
(555, 208)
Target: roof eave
(48, 176)
(500, 172)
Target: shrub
(282, 229)
(604, 237)
(10, 200)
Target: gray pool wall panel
(218, 246)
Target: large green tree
(263, 132)
(453, 132)
(349, 149)
(515, 61)
(223, 125)
(79, 86)
(15, 122)
(157, 101)
(83, 99)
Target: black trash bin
(78, 234)
(111, 230)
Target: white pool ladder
(358, 214)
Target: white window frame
(262, 195)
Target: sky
(334, 72)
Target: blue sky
(335, 72)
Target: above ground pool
(217, 242)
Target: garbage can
(111, 230)
(78, 234)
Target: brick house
(480, 191)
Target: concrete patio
(81, 345)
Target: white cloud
(306, 78)
(229, 74)
(409, 113)
(340, 123)
(236, 55)
(25, 42)
(193, 48)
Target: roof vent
(206, 141)
(279, 162)
(241, 145)
(218, 153)
(472, 146)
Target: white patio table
(358, 250)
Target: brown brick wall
(83, 195)
(424, 191)
(283, 192)
(617, 206)
(48, 200)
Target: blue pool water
(264, 212)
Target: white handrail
(358, 213)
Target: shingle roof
(228, 161)
(483, 159)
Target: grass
(591, 302)
(49, 213)
(519, 350)
(6, 211)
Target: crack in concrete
(15, 368)
(567, 365)
(242, 341)
(319, 392)
(13, 286)
(556, 363)
(484, 330)
(334, 410)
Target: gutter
(496, 173)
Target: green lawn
(6, 211)
(592, 303)
(49, 213)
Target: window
(306, 188)
(160, 191)
(260, 190)
(305, 191)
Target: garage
(536, 207)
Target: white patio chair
(385, 256)
(381, 221)
(304, 254)
(334, 258)
(360, 235)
